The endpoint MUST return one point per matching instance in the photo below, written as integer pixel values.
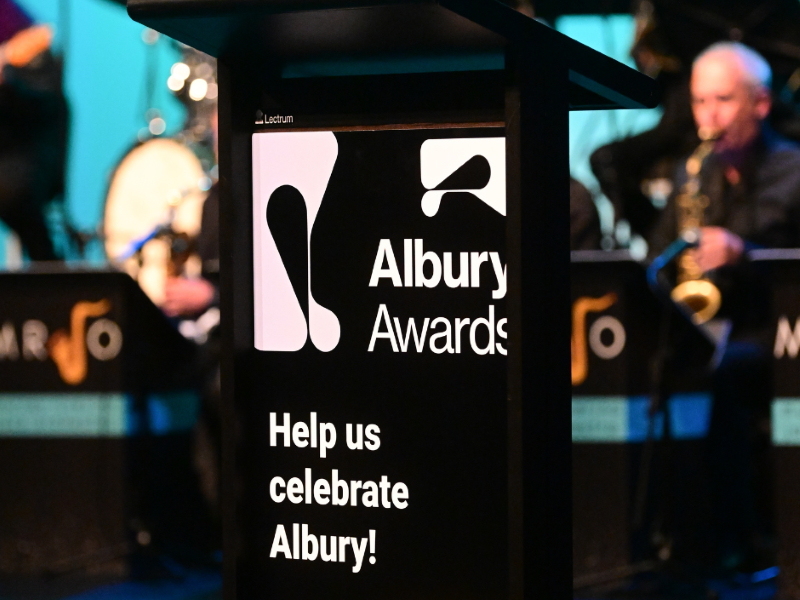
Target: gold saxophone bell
(701, 297)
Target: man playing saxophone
(751, 179)
(746, 192)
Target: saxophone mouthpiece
(708, 134)
(691, 237)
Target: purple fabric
(12, 20)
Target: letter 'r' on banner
(304, 161)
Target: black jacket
(763, 208)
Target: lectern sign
(378, 389)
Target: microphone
(139, 243)
(688, 239)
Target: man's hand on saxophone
(718, 248)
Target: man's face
(723, 101)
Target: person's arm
(718, 248)
(186, 297)
(24, 47)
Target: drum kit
(154, 205)
(153, 213)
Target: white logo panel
(303, 160)
(441, 158)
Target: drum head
(154, 179)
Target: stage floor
(759, 586)
(191, 584)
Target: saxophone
(696, 293)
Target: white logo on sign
(303, 160)
(441, 158)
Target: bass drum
(159, 183)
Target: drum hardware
(153, 214)
(162, 230)
(198, 330)
(155, 199)
(77, 238)
(179, 245)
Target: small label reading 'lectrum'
(262, 119)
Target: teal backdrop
(106, 63)
(612, 35)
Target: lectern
(395, 291)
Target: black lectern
(394, 184)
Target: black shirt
(584, 222)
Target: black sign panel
(374, 439)
(782, 338)
(786, 340)
(86, 331)
(614, 319)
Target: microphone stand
(661, 360)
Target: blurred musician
(33, 129)
(584, 221)
(183, 296)
(752, 178)
(752, 181)
(190, 297)
(634, 172)
(197, 298)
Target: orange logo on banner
(68, 350)
(581, 307)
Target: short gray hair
(755, 68)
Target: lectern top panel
(300, 29)
(283, 31)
